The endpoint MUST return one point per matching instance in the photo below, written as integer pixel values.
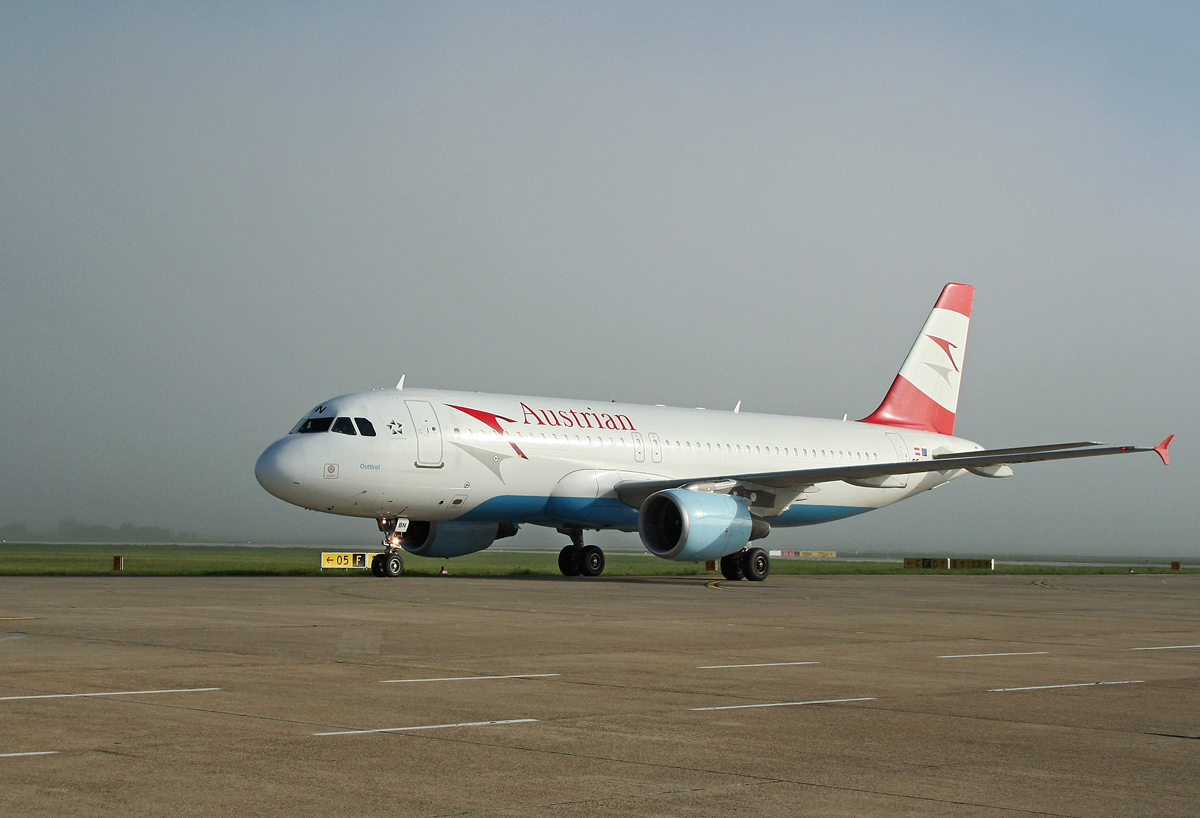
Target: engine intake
(688, 526)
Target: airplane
(446, 473)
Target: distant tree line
(71, 530)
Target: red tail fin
(925, 394)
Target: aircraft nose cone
(280, 469)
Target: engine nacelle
(688, 526)
(452, 539)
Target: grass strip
(59, 559)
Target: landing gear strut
(390, 563)
(750, 563)
(578, 559)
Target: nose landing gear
(578, 559)
(390, 563)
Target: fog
(213, 217)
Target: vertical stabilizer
(925, 394)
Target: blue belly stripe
(610, 512)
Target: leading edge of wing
(634, 493)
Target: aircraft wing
(987, 463)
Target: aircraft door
(901, 456)
(655, 448)
(429, 435)
(639, 448)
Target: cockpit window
(314, 425)
(364, 427)
(344, 426)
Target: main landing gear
(390, 563)
(749, 563)
(578, 559)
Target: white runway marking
(761, 664)
(18, 755)
(982, 655)
(470, 678)
(10, 638)
(1169, 647)
(426, 727)
(118, 693)
(782, 704)
(1055, 687)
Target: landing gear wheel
(755, 564)
(591, 561)
(393, 565)
(377, 565)
(731, 567)
(568, 561)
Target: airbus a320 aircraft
(449, 473)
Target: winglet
(1161, 450)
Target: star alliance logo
(396, 427)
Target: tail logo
(946, 347)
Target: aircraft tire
(377, 565)
(568, 561)
(731, 567)
(393, 565)
(591, 561)
(755, 564)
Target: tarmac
(546, 696)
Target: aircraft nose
(280, 469)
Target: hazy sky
(214, 216)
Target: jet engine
(688, 526)
(452, 539)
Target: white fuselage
(466, 456)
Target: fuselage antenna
(400, 384)
(737, 408)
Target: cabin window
(739, 449)
(366, 429)
(314, 425)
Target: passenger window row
(668, 445)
